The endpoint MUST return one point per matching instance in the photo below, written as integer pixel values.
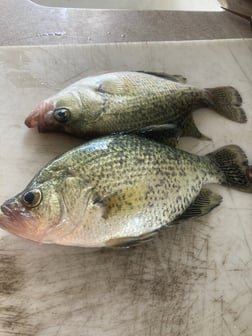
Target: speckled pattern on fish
(130, 101)
(118, 188)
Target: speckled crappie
(119, 190)
(128, 102)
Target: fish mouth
(6, 210)
(18, 222)
(41, 117)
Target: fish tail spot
(227, 101)
(233, 163)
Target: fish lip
(40, 117)
(6, 211)
(8, 219)
(14, 210)
(16, 221)
(10, 208)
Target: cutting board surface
(193, 279)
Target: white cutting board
(194, 279)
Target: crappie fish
(120, 190)
(132, 102)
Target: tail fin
(227, 101)
(233, 162)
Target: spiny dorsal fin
(174, 78)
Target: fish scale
(148, 109)
(119, 190)
(132, 102)
(110, 172)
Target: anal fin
(126, 242)
(203, 203)
(190, 129)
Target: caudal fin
(233, 162)
(227, 101)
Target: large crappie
(126, 102)
(118, 190)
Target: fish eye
(32, 198)
(61, 114)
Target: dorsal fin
(174, 78)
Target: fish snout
(14, 208)
(41, 117)
(17, 220)
(10, 206)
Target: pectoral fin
(127, 201)
(116, 86)
(203, 203)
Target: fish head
(52, 212)
(32, 213)
(55, 113)
(68, 112)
